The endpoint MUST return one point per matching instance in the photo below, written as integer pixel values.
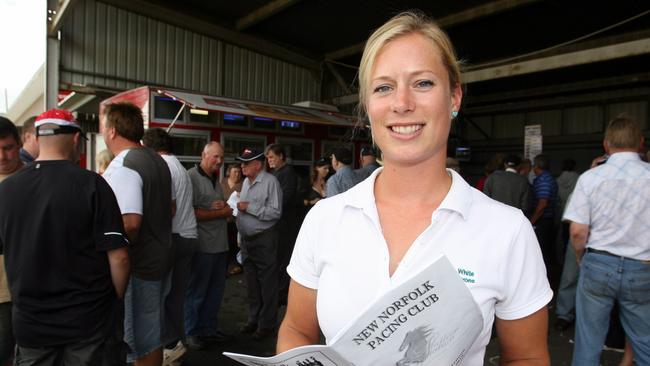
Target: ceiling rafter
(262, 13)
(596, 54)
(464, 16)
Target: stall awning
(257, 109)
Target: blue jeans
(144, 303)
(566, 293)
(603, 280)
(204, 293)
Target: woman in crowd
(318, 177)
(102, 160)
(232, 182)
(410, 212)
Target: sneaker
(248, 328)
(194, 343)
(262, 333)
(171, 356)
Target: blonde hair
(400, 25)
(623, 133)
(102, 159)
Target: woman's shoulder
(488, 209)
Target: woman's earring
(454, 114)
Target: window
(204, 116)
(339, 131)
(166, 108)
(290, 126)
(234, 120)
(262, 123)
(188, 145)
(301, 152)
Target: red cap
(58, 117)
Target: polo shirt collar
(203, 173)
(458, 199)
(623, 156)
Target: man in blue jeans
(209, 263)
(609, 213)
(566, 293)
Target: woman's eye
(381, 89)
(424, 83)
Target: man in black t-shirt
(64, 244)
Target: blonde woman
(102, 160)
(408, 213)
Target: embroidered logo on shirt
(467, 275)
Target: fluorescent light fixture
(199, 111)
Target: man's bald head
(212, 157)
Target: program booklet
(430, 319)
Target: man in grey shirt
(509, 187)
(260, 208)
(345, 178)
(210, 261)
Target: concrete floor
(233, 314)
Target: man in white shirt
(609, 213)
(184, 239)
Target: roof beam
(172, 16)
(464, 16)
(58, 16)
(263, 13)
(598, 54)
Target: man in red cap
(65, 251)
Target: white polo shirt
(342, 253)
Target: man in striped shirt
(543, 217)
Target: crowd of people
(120, 267)
(149, 272)
(599, 212)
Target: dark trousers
(204, 293)
(183, 249)
(261, 270)
(233, 247)
(544, 230)
(88, 352)
(6, 334)
(287, 232)
(115, 349)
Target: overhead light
(199, 111)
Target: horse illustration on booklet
(308, 362)
(417, 341)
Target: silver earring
(454, 114)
